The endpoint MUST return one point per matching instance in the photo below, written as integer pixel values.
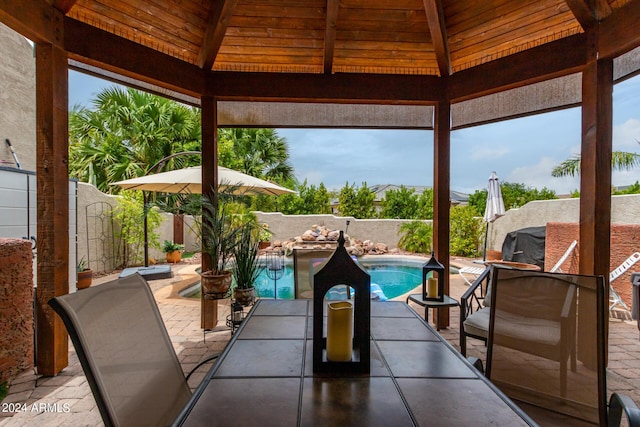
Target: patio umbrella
(189, 181)
(494, 208)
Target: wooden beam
(330, 35)
(618, 33)
(219, 19)
(35, 19)
(64, 6)
(550, 60)
(52, 183)
(442, 193)
(361, 88)
(595, 167)
(93, 46)
(583, 13)
(209, 123)
(438, 30)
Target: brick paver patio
(66, 400)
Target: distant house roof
(381, 189)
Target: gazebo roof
(423, 37)
(345, 51)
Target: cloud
(539, 176)
(626, 136)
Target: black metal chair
(539, 322)
(125, 352)
(474, 313)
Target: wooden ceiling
(422, 37)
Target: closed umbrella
(494, 208)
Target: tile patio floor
(66, 400)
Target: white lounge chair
(475, 272)
(614, 298)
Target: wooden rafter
(438, 30)
(619, 33)
(330, 35)
(555, 59)
(35, 19)
(219, 19)
(589, 13)
(64, 6)
(105, 50)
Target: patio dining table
(265, 377)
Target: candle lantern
(341, 269)
(433, 287)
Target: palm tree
(258, 152)
(620, 160)
(125, 133)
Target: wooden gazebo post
(52, 183)
(441, 194)
(209, 308)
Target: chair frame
(100, 395)
(614, 298)
(470, 302)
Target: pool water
(394, 278)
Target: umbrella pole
(486, 236)
(146, 231)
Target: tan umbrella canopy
(189, 180)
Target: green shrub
(466, 231)
(416, 237)
(129, 215)
(4, 388)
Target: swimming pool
(394, 275)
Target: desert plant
(168, 246)
(416, 237)
(246, 254)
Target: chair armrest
(474, 296)
(206, 360)
(619, 402)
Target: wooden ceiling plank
(64, 6)
(330, 35)
(554, 59)
(34, 19)
(618, 33)
(438, 31)
(221, 12)
(99, 48)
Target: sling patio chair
(125, 352)
(546, 347)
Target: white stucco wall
(17, 99)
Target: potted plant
(84, 273)
(173, 251)
(247, 263)
(264, 236)
(218, 241)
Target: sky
(523, 150)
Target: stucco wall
(17, 99)
(284, 227)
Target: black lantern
(435, 283)
(341, 269)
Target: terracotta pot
(84, 278)
(244, 296)
(174, 256)
(215, 286)
(263, 245)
